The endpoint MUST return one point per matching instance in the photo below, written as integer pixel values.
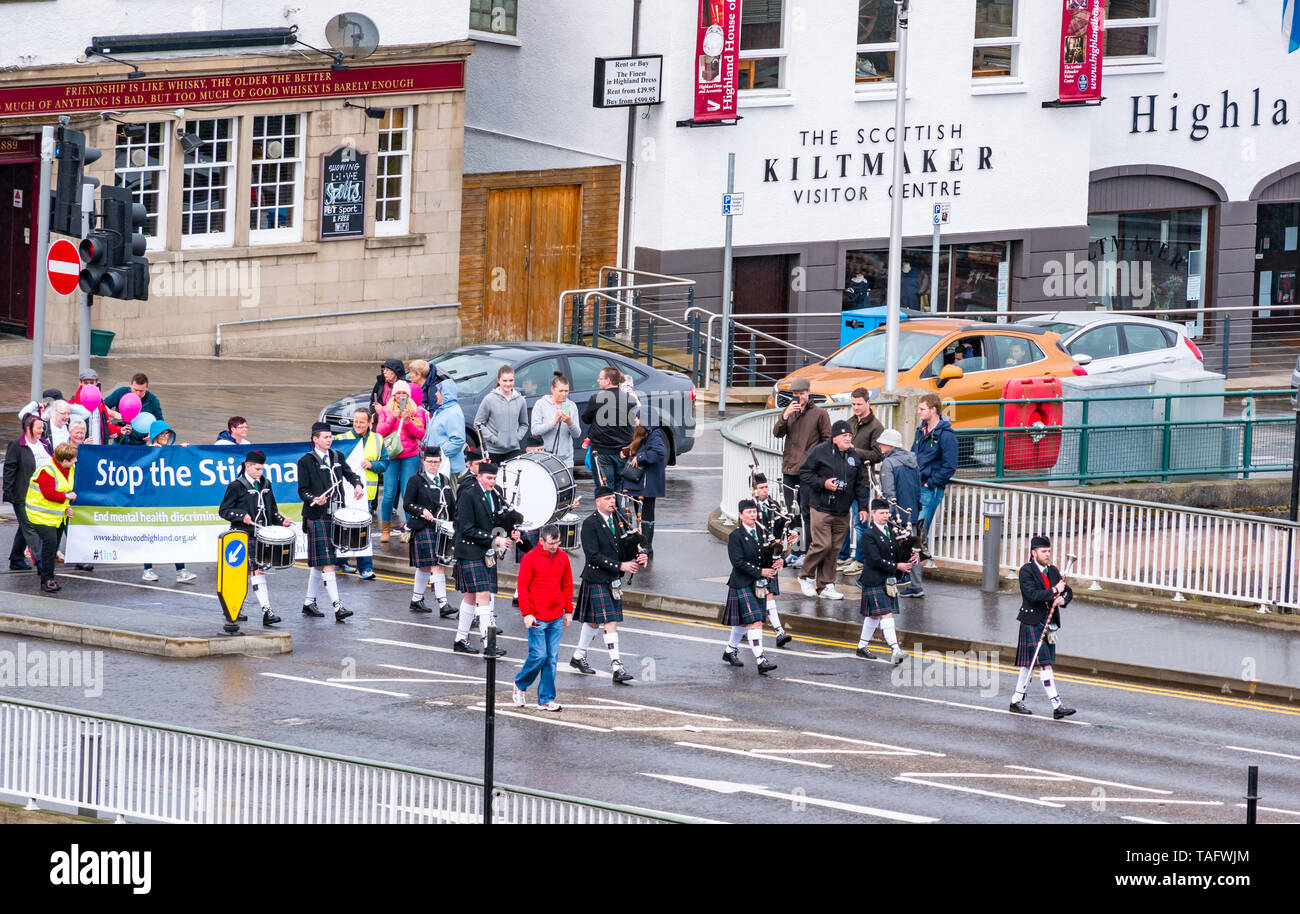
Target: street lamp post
(894, 290)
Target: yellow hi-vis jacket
(371, 451)
(40, 510)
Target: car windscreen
(473, 373)
(868, 353)
(1057, 327)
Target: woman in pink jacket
(400, 412)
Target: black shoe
(341, 613)
(445, 611)
(911, 593)
(462, 647)
(51, 586)
(863, 653)
(515, 602)
(498, 652)
(621, 675)
(83, 567)
(417, 606)
(1062, 711)
(765, 665)
(310, 609)
(269, 618)
(783, 639)
(242, 617)
(730, 656)
(581, 665)
(19, 566)
(1019, 707)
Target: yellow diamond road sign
(232, 572)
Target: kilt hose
(320, 546)
(472, 576)
(743, 607)
(876, 602)
(423, 547)
(597, 605)
(1029, 635)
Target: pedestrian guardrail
(145, 772)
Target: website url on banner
(144, 537)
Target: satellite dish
(353, 35)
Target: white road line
(629, 704)
(189, 591)
(748, 754)
(1144, 821)
(411, 669)
(1285, 812)
(722, 641)
(368, 679)
(986, 793)
(447, 650)
(335, 685)
(965, 774)
(1158, 800)
(727, 787)
(691, 728)
(832, 752)
(1075, 777)
(546, 717)
(867, 742)
(932, 701)
(452, 628)
(1263, 752)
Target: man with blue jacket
(447, 427)
(901, 485)
(936, 456)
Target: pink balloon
(91, 397)
(129, 406)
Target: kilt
(423, 546)
(743, 607)
(596, 605)
(320, 547)
(774, 586)
(877, 602)
(1029, 635)
(472, 576)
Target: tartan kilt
(774, 586)
(1029, 635)
(596, 605)
(743, 607)
(320, 547)
(472, 576)
(423, 547)
(877, 602)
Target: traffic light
(112, 253)
(72, 153)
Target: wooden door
(505, 270)
(761, 286)
(554, 254)
(17, 240)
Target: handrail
(303, 317)
(673, 281)
(777, 339)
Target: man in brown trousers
(803, 424)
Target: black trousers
(20, 540)
(794, 490)
(49, 548)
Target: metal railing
(311, 317)
(156, 773)
(1164, 548)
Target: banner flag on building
(139, 504)
(717, 54)
(1291, 25)
(1082, 34)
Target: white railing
(144, 772)
(1164, 548)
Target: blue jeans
(399, 473)
(610, 469)
(848, 540)
(930, 498)
(543, 653)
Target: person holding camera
(401, 413)
(834, 477)
(803, 424)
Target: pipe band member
(321, 475)
(744, 611)
(881, 567)
(248, 504)
(426, 501)
(602, 574)
(769, 509)
(478, 509)
(1043, 592)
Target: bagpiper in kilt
(321, 472)
(478, 510)
(744, 610)
(426, 501)
(249, 496)
(1043, 595)
(602, 574)
(769, 511)
(880, 563)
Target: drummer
(426, 501)
(249, 503)
(321, 472)
(478, 509)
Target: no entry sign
(64, 266)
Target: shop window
(762, 43)
(1131, 31)
(1277, 257)
(499, 16)
(207, 217)
(1148, 260)
(972, 278)
(996, 44)
(393, 173)
(276, 179)
(877, 42)
(140, 163)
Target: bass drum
(539, 486)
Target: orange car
(957, 359)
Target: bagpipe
(627, 519)
(774, 542)
(906, 535)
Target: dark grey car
(670, 394)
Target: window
(762, 58)
(868, 353)
(206, 217)
(393, 173)
(877, 41)
(534, 379)
(1102, 343)
(141, 164)
(1014, 352)
(1131, 30)
(972, 277)
(499, 16)
(996, 44)
(583, 371)
(1153, 259)
(275, 213)
(1138, 338)
(969, 353)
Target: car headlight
(841, 398)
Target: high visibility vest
(40, 510)
(370, 450)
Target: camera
(841, 485)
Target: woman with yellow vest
(49, 501)
(375, 464)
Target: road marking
(832, 751)
(976, 774)
(335, 685)
(692, 728)
(935, 701)
(545, 717)
(1263, 752)
(1285, 812)
(986, 793)
(1075, 777)
(460, 677)
(629, 704)
(728, 787)
(1109, 799)
(447, 650)
(864, 742)
(360, 679)
(452, 628)
(715, 641)
(190, 592)
(1143, 821)
(749, 754)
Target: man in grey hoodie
(503, 416)
(900, 481)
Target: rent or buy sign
(626, 81)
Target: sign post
(894, 290)
(87, 298)
(728, 202)
(940, 219)
(232, 576)
(42, 252)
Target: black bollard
(1252, 793)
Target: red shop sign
(717, 53)
(1082, 33)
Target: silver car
(1118, 341)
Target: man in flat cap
(803, 424)
(321, 475)
(835, 477)
(1042, 594)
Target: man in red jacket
(546, 601)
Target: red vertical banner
(1082, 34)
(717, 54)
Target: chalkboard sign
(343, 194)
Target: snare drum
(444, 543)
(351, 529)
(539, 485)
(569, 525)
(273, 547)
